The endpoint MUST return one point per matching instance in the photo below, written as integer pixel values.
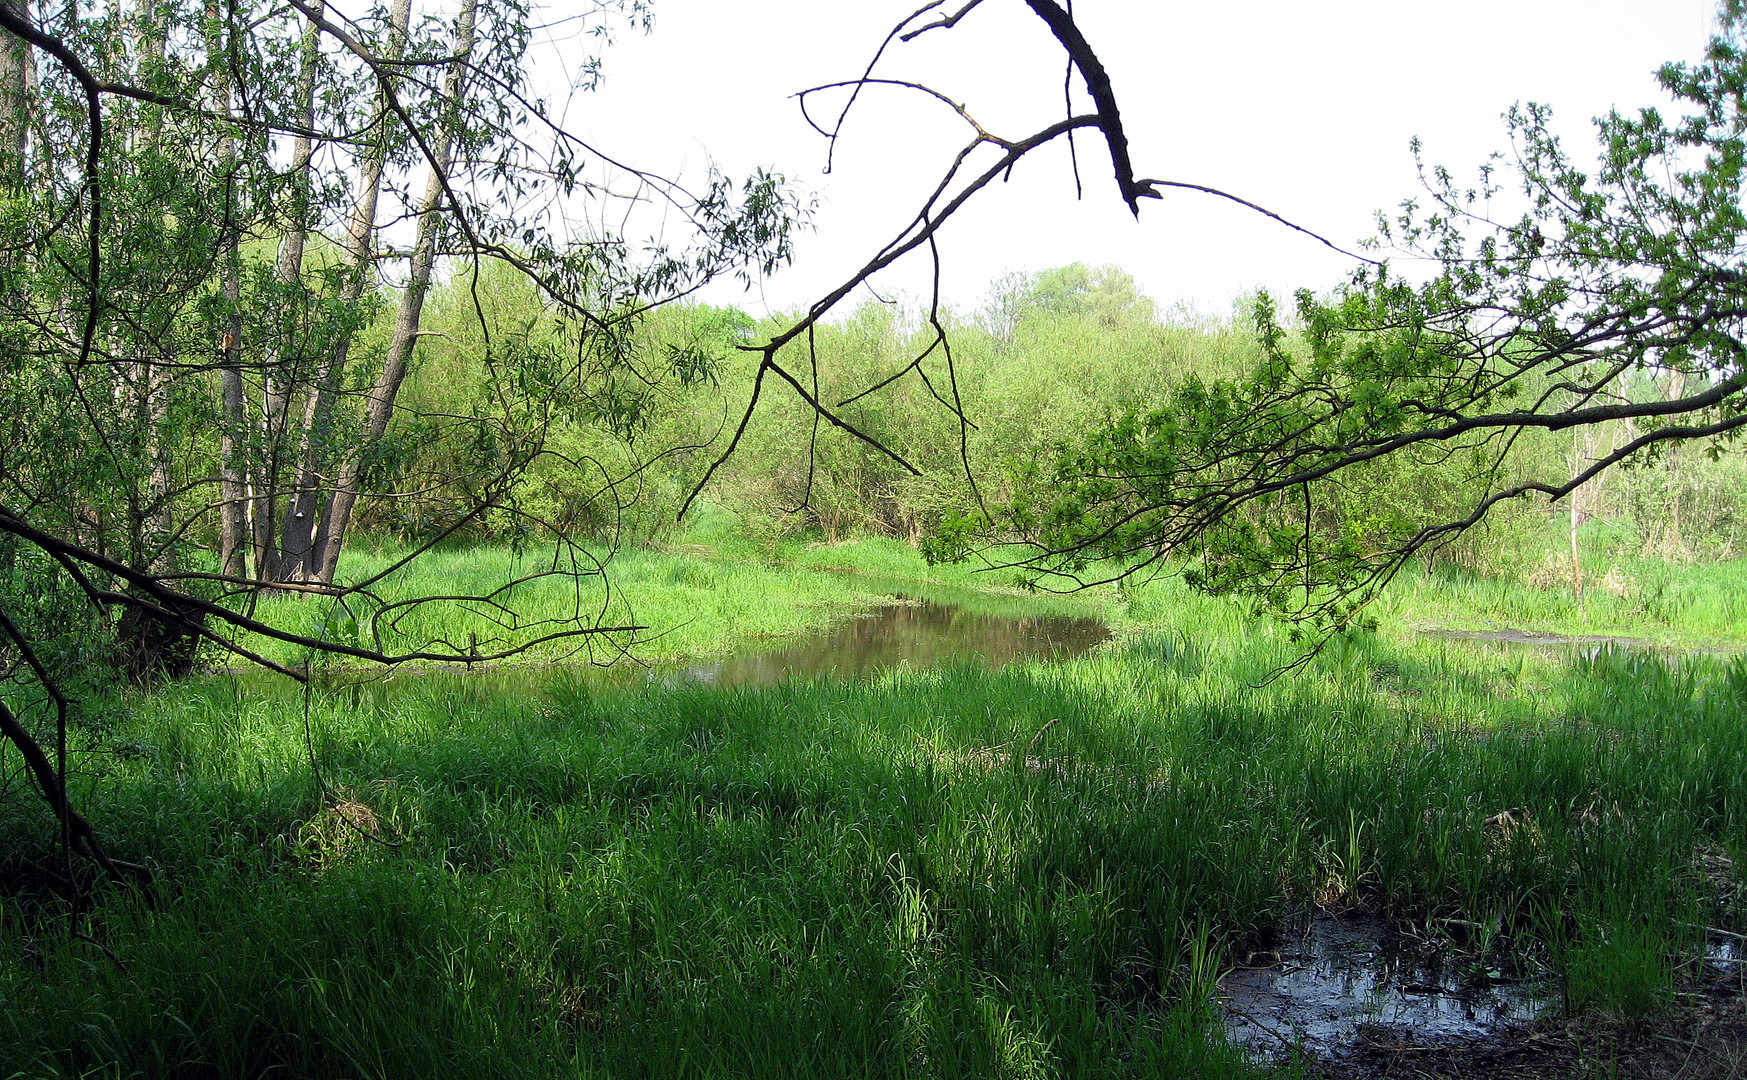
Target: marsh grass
(686, 605)
(691, 601)
(1617, 968)
(1673, 604)
(1035, 872)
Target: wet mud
(1349, 997)
(1335, 976)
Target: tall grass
(1025, 873)
(685, 605)
(1665, 603)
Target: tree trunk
(16, 77)
(1675, 545)
(379, 409)
(300, 558)
(278, 381)
(150, 515)
(233, 439)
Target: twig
(104, 949)
(1032, 745)
(1234, 1010)
(1714, 930)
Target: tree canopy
(223, 224)
(1616, 297)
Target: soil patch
(1701, 1036)
(1702, 1039)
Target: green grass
(688, 606)
(1025, 873)
(698, 600)
(1669, 604)
(1618, 968)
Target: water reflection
(1532, 637)
(904, 632)
(919, 634)
(1341, 972)
(1579, 645)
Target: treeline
(1047, 359)
(214, 272)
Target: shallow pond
(1576, 645)
(921, 634)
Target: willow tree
(1611, 285)
(191, 205)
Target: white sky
(1304, 107)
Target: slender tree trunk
(233, 439)
(279, 381)
(300, 558)
(149, 33)
(1675, 545)
(140, 385)
(1582, 506)
(1576, 559)
(17, 75)
(379, 409)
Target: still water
(916, 633)
(908, 633)
(1335, 975)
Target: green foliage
(1388, 418)
(1049, 358)
(891, 878)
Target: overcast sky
(1304, 107)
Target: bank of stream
(911, 626)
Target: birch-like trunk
(233, 439)
(1577, 464)
(300, 557)
(379, 409)
(17, 76)
(279, 382)
(151, 523)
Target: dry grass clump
(344, 826)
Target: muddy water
(1334, 975)
(908, 632)
(1726, 955)
(1531, 637)
(1574, 644)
